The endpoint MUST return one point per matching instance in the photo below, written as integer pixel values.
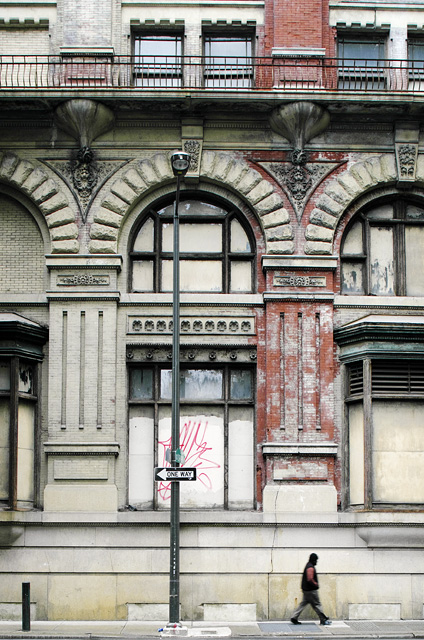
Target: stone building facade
(302, 300)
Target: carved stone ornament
(83, 280)
(84, 174)
(299, 122)
(299, 281)
(406, 158)
(84, 178)
(298, 179)
(215, 325)
(190, 354)
(193, 147)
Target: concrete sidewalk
(130, 629)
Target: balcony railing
(200, 73)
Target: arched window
(216, 250)
(383, 250)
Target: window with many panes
(216, 435)
(216, 250)
(385, 418)
(228, 61)
(361, 61)
(158, 60)
(383, 250)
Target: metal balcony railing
(200, 73)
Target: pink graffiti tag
(195, 447)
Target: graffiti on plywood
(198, 452)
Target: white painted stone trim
(47, 194)
(340, 193)
(220, 168)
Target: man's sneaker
(326, 623)
(294, 621)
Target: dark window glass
(158, 61)
(228, 61)
(361, 62)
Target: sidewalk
(397, 629)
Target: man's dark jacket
(308, 586)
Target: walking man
(310, 588)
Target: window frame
(399, 223)
(227, 71)
(364, 368)
(226, 402)
(226, 256)
(415, 44)
(21, 341)
(153, 70)
(361, 73)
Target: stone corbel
(84, 120)
(299, 122)
(406, 149)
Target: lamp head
(180, 162)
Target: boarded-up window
(394, 448)
(216, 435)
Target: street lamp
(180, 162)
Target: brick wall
(22, 250)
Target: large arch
(219, 168)
(340, 193)
(48, 196)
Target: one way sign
(175, 474)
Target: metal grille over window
(393, 377)
(356, 380)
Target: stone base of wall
(374, 612)
(214, 612)
(116, 566)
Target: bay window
(20, 352)
(385, 414)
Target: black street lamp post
(180, 162)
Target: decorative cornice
(381, 328)
(192, 325)
(81, 448)
(24, 23)
(192, 353)
(299, 448)
(300, 262)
